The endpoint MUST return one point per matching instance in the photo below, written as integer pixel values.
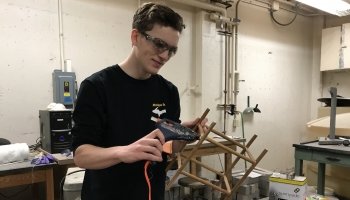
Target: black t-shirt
(114, 109)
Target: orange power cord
(167, 148)
(148, 180)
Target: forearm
(147, 148)
(92, 157)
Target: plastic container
(73, 183)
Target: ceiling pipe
(202, 5)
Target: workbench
(322, 154)
(24, 173)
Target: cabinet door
(346, 45)
(330, 48)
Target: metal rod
(333, 92)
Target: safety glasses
(160, 45)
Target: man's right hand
(149, 147)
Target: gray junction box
(64, 88)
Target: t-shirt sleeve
(88, 116)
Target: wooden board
(342, 122)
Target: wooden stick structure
(225, 185)
(172, 162)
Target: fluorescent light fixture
(335, 7)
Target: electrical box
(64, 88)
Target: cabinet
(335, 48)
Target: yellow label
(66, 94)
(287, 181)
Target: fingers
(151, 157)
(143, 149)
(156, 134)
(152, 153)
(204, 121)
(193, 123)
(152, 145)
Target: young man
(114, 135)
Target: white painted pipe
(286, 2)
(231, 67)
(202, 5)
(217, 17)
(60, 30)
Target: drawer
(331, 158)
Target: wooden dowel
(181, 148)
(238, 184)
(250, 142)
(229, 139)
(171, 181)
(203, 165)
(230, 150)
(206, 182)
(201, 119)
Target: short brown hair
(151, 13)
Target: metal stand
(331, 140)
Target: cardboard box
(282, 188)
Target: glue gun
(175, 131)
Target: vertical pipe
(236, 35)
(60, 29)
(333, 92)
(225, 83)
(139, 3)
(230, 73)
(235, 75)
(235, 55)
